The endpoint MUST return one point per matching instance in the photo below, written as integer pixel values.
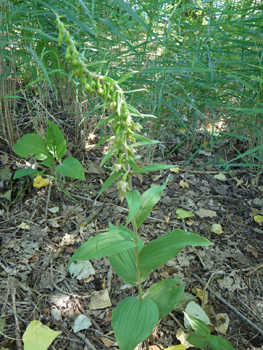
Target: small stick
(207, 284)
(109, 277)
(229, 305)
(48, 199)
(87, 342)
(17, 328)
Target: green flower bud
(75, 63)
(87, 88)
(60, 39)
(67, 39)
(68, 57)
(113, 106)
(100, 92)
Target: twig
(10, 308)
(87, 342)
(48, 199)
(109, 277)
(17, 328)
(207, 285)
(229, 305)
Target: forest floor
(41, 230)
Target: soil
(41, 229)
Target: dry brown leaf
(252, 250)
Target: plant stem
(136, 247)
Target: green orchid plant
(136, 316)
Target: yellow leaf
(220, 176)
(200, 295)
(176, 347)
(40, 181)
(38, 336)
(175, 170)
(24, 226)
(217, 228)
(258, 219)
(183, 214)
(184, 184)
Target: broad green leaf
(56, 143)
(197, 340)
(38, 336)
(225, 345)
(154, 167)
(31, 143)
(133, 321)
(25, 172)
(148, 200)
(71, 167)
(109, 181)
(165, 248)
(165, 295)
(49, 161)
(198, 325)
(124, 263)
(133, 199)
(104, 244)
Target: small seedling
(47, 152)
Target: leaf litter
(38, 241)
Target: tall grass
(199, 63)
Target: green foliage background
(201, 62)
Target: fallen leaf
(107, 342)
(200, 295)
(176, 347)
(184, 184)
(174, 170)
(100, 300)
(182, 336)
(220, 176)
(37, 333)
(222, 323)
(167, 218)
(258, 219)
(53, 210)
(81, 270)
(203, 213)
(81, 322)
(40, 182)
(183, 214)
(217, 228)
(156, 177)
(24, 226)
(95, 168)
(252, 250)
